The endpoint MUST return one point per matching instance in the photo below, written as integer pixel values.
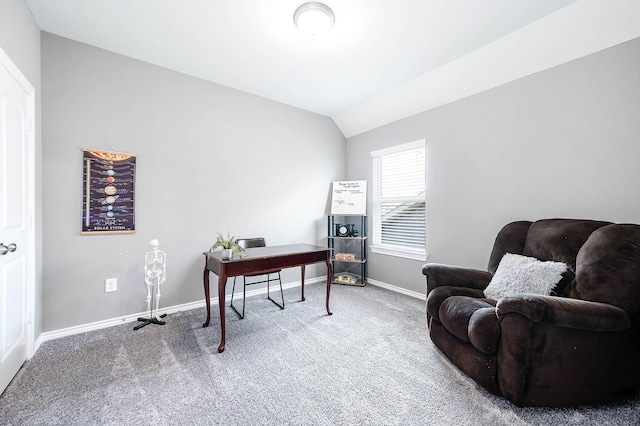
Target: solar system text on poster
(108, 202)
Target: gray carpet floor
(371, 363)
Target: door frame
(14, 71)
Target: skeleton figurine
(155, 274)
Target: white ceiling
(359, 72)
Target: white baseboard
(398, 289)
(63, 332)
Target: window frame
(388, 249)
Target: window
(399, 223)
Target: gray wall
(20, 39)
(210, 159)
(560, 143)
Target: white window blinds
(399, 222)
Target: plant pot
(227, 254)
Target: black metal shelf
(356, 245)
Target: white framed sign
(349, 197)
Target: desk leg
(329, 278)
(207, 295)
(302, 281)
(222, 281)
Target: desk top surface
(256, 253)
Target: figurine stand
(147, 321)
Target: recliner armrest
(439, 275)
(442, 293)
(565, 312)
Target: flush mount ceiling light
(313, 18)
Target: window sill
(399, 252)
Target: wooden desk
(256, 260)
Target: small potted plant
(229, 245)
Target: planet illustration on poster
(110, 200)
(110, 190)
(110, 172)
(110, 214)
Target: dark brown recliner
(578, 346)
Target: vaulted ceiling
(383, 59)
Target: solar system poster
(108, 202)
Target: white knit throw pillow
(522, 274)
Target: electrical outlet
(110, 284)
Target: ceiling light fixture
(314, 18)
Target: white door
(16, 217)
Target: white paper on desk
(349, 197)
